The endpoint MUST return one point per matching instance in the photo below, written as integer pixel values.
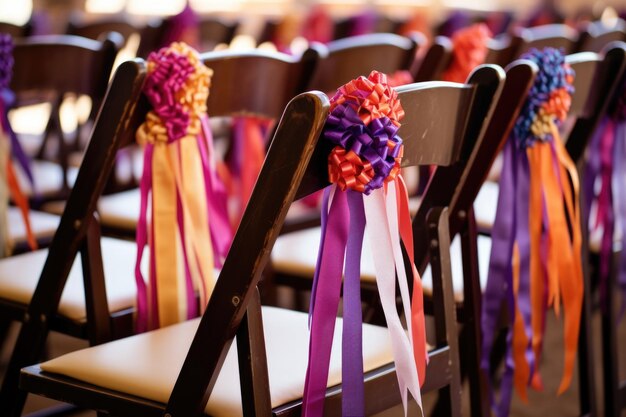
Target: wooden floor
(541, 404)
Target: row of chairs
(88, 377)
(225, 95)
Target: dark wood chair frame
(91, 65)
(234, 308)
(348, 58)
(594, 36)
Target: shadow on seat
(295, 166)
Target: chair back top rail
(63, 64)
(594, 36)
(597, 77)
(348, 58)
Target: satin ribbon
(368, 190)
(187, 231)
(536, 252)
(247, 156)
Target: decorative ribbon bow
(535, 256)
(10, 147)
(188, 220)
(469, 50)
(363, 124)
(605, 190)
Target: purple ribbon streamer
(353, 402)
(16, 148)
(500, 277)
(522, 199)
(326, 304)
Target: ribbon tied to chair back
(364, 167)
(605, 191)
(10, 148)
(183, 216)
(535, 257)
(469, 50)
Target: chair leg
(471, 331)
(28, 348)
(612, 400)
(444, 307)
(586, 374)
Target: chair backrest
(275, 79)
(596, 35)
(351, 57)
(95, 29)
(295, 168)
(63, 64)
(597, 76)
(435, 60)
(556, 35)
(16, 31)
(214, 30)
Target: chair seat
(295, 254)
(121, 210)
(485, 206)
(44, 225)
(147, 365)
(19, 276)
(48, 178)
(456, 261)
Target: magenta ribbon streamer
(619, 186)
(326, 304)
(142, 239)
(353, 402)
(605, 208)
(217, 197)
(324, 224)
(499, 288)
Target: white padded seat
(48, 178)
(456, 263)
(19, 276)
(295, 254)
(485, 205)
(44, 225)
(147, 365)
(121, 210)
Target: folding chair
(596, 35)
(235, 91)
(91, 312)
(272, 383)
(596, 77)
(350, 57)
(91, 64)
(214, 30)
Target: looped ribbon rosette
(469, 50)
(536, 250)
(605, 192)
(364, 167)
(10, 149)
(183, 216)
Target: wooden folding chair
(434, 62)
(235, 91)
(596, 76)
(71, 66)
(214, 30)
(83, 307)
(96, 28)
(350, 57)
(271, 374)
(16, 31)
(594, 36)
